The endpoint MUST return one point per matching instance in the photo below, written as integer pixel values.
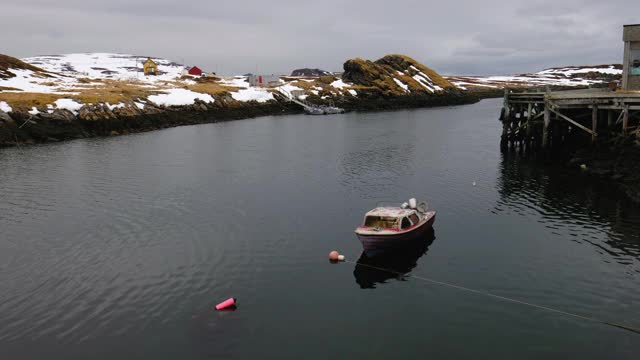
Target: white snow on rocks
(252, 94)
(353, 92)
(177, 97)
(424, 82)
(564, 76)
(27, 81)
(287, 89)
(570, 70)
(119, 105)
(34, 111)
(236, 81)
(401, 84)
(5, 107)
(339, 84)
(68, 104)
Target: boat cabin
(391, 218)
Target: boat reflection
(378, 268)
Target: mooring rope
(459, 287)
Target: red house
(195, 71)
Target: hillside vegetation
(395, 75)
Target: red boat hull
(372, 242)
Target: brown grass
(111, 91)
(23, 101)
(211, 88)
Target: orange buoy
(334, 255)
(225, 304)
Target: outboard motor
(413, 203)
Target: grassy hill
(395, 75)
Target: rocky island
(59, 97)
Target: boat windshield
(384, 222)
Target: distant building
(150, 67)
(631, 64)
(195, 71)
(263, 80)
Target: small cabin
(150, 67)
(195, 71)
(631, 64)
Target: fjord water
(119, 248)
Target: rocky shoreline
(21, 127)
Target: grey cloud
(231, 37)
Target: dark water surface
(118, 248)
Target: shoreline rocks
(92, 120)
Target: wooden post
(594, 122)
(529, 107)
(507, 109)
(625, 119)
(545, 129)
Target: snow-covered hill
(105, 66)
(71, 80)
(116, 79)
(560, 76)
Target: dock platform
(545, 116)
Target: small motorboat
(388, 227)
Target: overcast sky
(276, 36)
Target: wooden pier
(545, 117)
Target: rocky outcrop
(396, 75)
(5, 119)
(309, 72)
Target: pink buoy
(225, 304)
(334, 255)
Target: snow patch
(401, 84)
(119, 105)
(236, 81)
(5, 107)
(177, 97)
(422, 81)
(352, 92)
(252, 94)
(287, 90)
(139, 105)
(68, 104)
(339, 84)
(34, 111)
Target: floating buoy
(225, 304)
(474, 183)
(334, 256)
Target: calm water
(118, 248)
